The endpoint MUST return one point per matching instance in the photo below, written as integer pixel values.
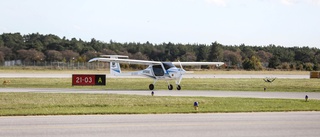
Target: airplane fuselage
(167, 72)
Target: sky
(286, 23)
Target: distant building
(13, 63)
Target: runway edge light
(196, 105)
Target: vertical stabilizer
(115, 66)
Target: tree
(8, 55)
(231, 57)
(52, 42)
(13, 41)
(50, 39)
(1, 42)
(31, 55)
(172, 51)
(140, 56)
(304, 54)
(33, 41)
(246, 51)
(76, 45)
(1, 57)
(96, 45)
(252, 64)
(264, 56)
(53, 55)
(308, 66)
(51, 45)
(274, 62)
(202, 53)
(285, 66)
(286, 55)
(70, 55)
(91, 54)
(216, 52)
(108, 52)
(189, 57)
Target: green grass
(17, 104)
(282, 85)
(20, 104)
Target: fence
(57, 65)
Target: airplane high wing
(155, 70)
(128, 61)
(197, 63)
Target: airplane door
(157, 70)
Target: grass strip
(285, 85)
(22, 104)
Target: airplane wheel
(151, 86)
(170, 87)
(178, 87)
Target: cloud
(217, 2)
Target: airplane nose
(182, 71)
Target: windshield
(167, 65)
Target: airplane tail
(115, 66)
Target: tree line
(37, 47)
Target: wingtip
(92, 60)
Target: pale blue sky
(230, 22)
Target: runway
(244, 94)
(279, 124)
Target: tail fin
(115, 66)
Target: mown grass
(21, 104)
(285, 85)
(17, 104)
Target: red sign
(87, 79)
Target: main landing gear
(151, 86)
(178, 87)
(170, 87)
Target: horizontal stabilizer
(115, 56)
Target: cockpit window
(167, 65)
(158, 70)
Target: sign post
(88, 80)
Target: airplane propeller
(182, 70)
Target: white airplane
(156, 70)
